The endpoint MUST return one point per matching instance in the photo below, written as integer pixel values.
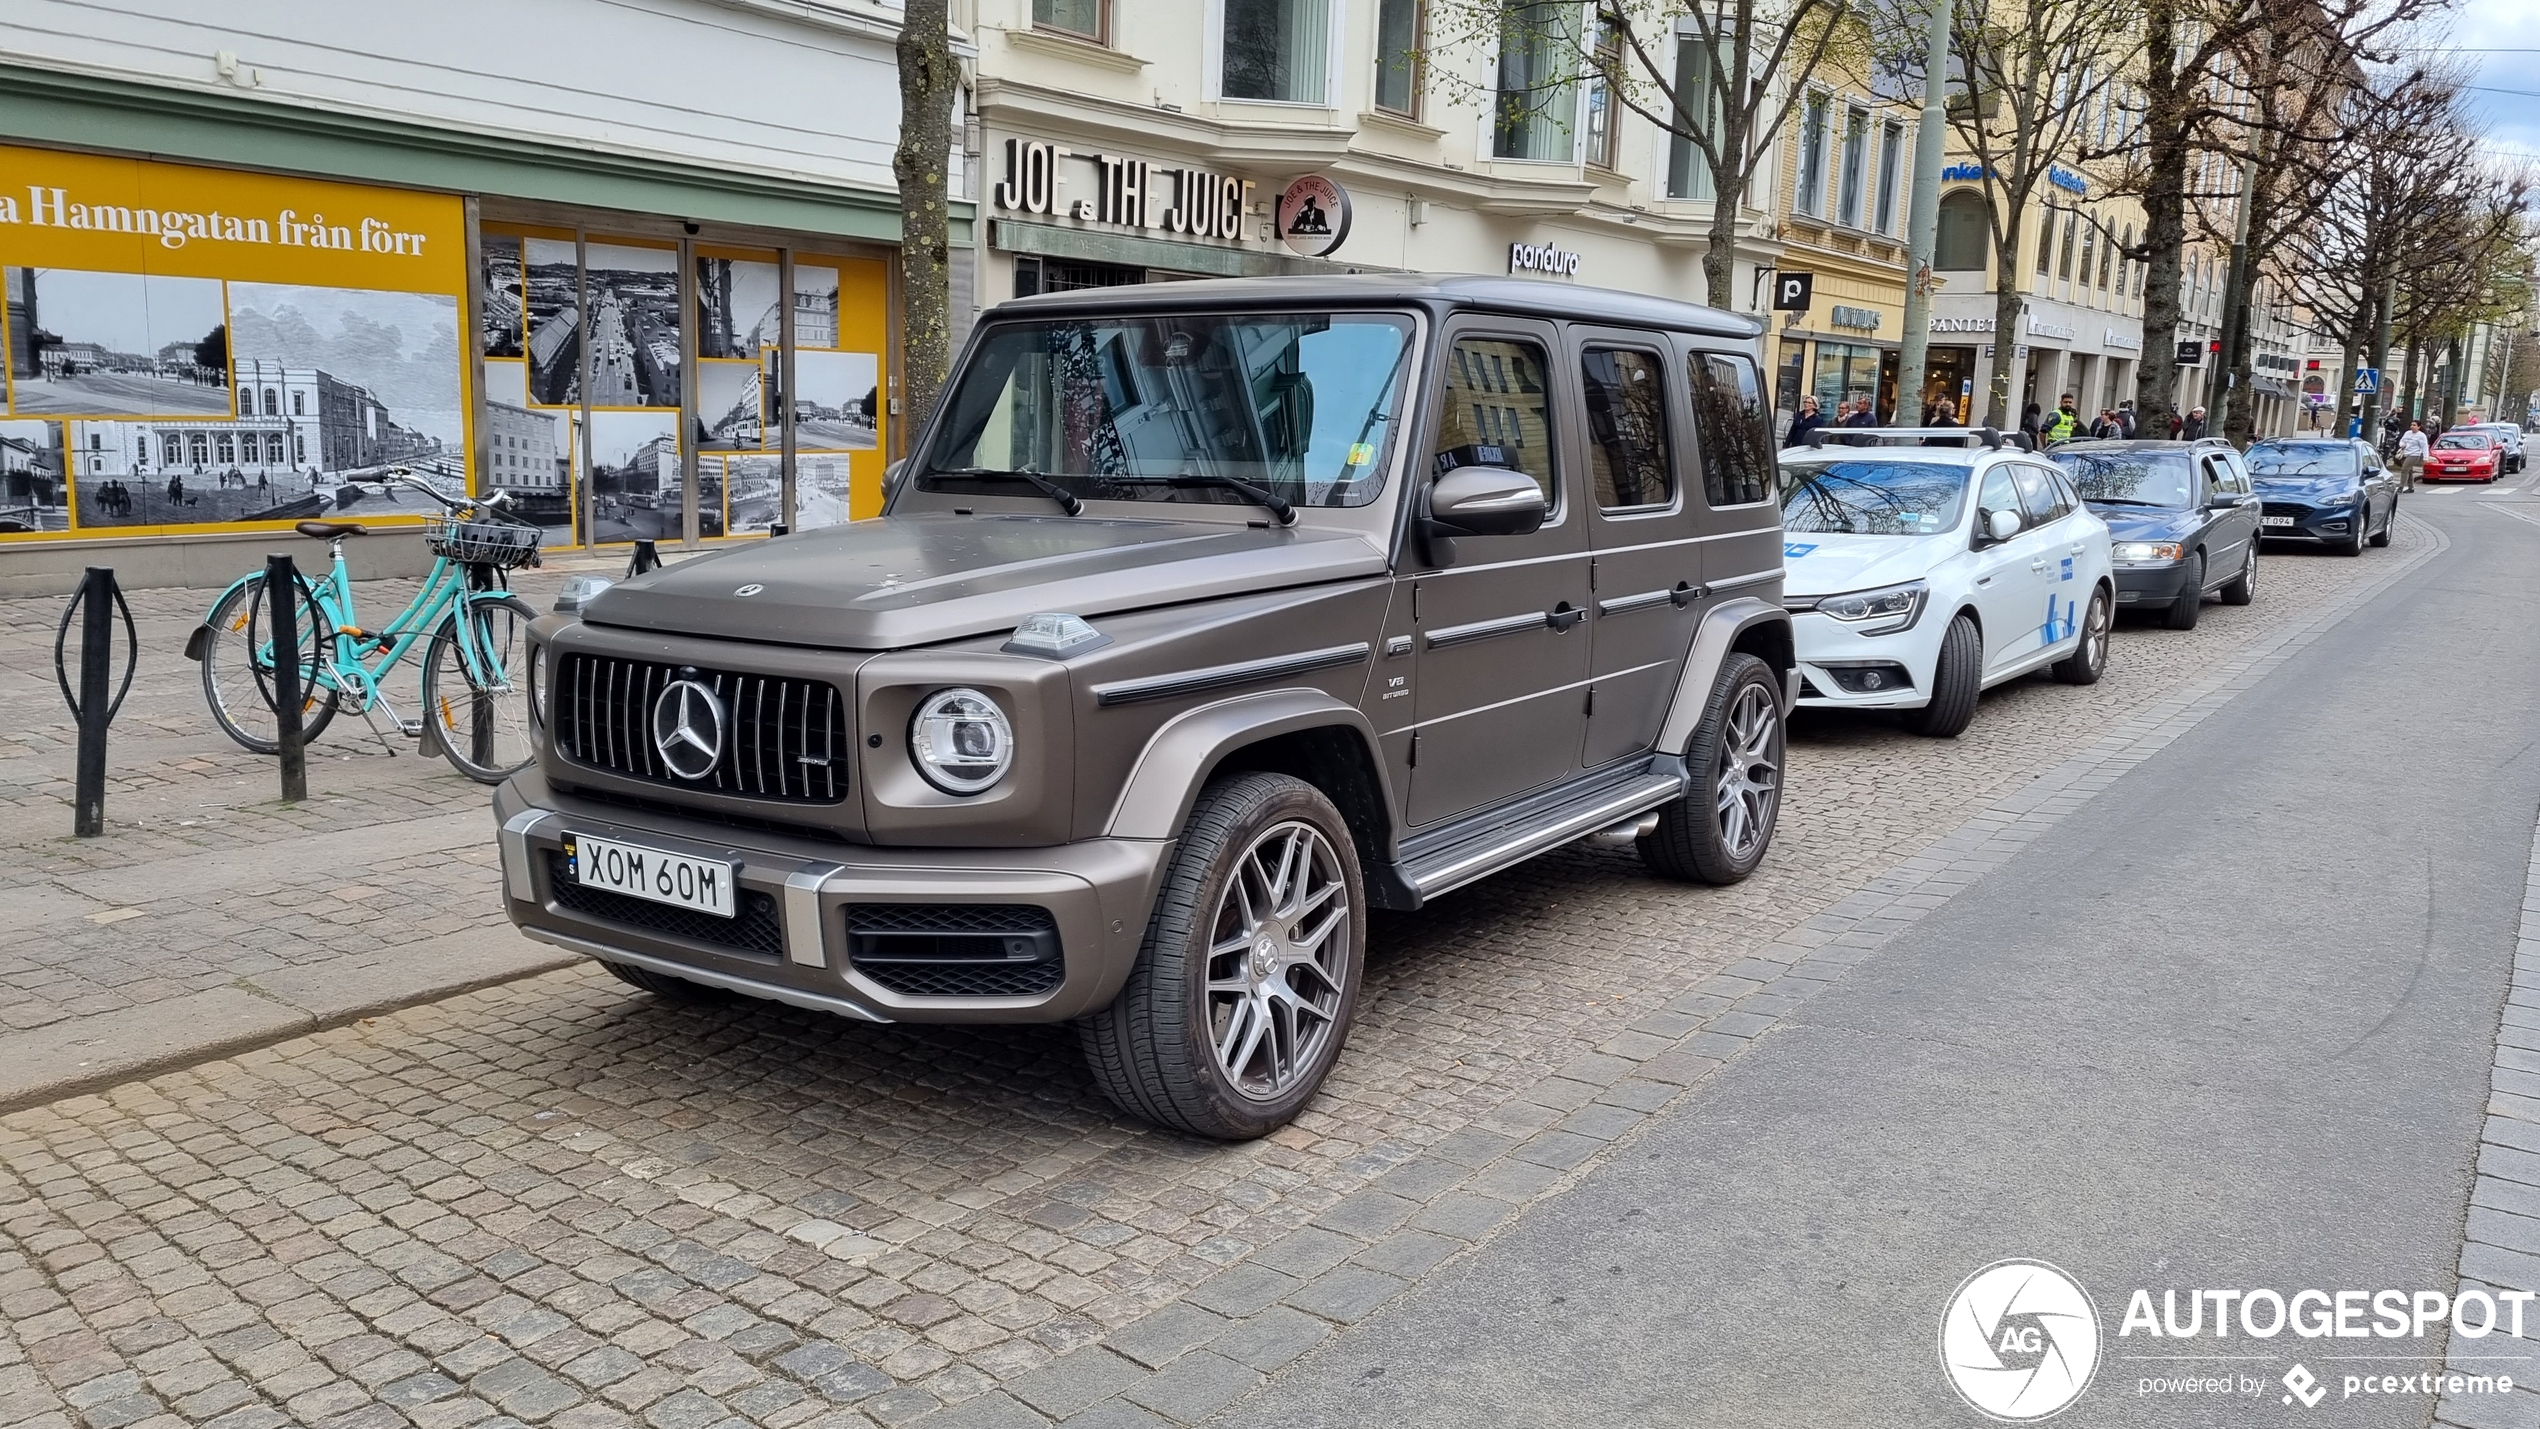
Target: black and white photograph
(337, 389)
(838, 397)
(730, 415)
(815, 306)
(551, 273)
(33, 495)
(738, 309)
(632, 295)
(529, 451)
(88, 344)
(504, 307)
(635, 486)
(756, 487)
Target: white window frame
(1889, 208)
(1844, 156)
(1808, 199)
(1212, 79)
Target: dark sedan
(2182, 522)
(2324, 489)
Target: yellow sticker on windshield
(1361, 453)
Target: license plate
(2456, 471)
(2278, 520)
(701, 885)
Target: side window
(1497, 410)
(2037, 494)
(2064, 490)
(1997, 494)
(1735, 431)
(1627, 428)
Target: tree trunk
(929, 78)
(2240, 404)
(2164, 218)
(1719, 261)
(2002, 410)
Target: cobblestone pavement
(559, 1202)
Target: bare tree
(1723, 75)
(930, 77)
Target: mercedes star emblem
(749, 590)
(688, 729)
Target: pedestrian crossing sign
(2367, 381)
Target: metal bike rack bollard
(776, 529)
(89, 706)
(282, 585)
(646, 558)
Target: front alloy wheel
(1274, 962)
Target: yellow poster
(203, 349)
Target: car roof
(1533, 296)
(2115, 444)
(1943, 456)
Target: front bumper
(2311, 523)
(2151, 584)
(1830, 651)
(792, 944)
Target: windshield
(2139, 477)
(2465, 441)
(1872, 498)
(1298, 404)
(2301, 459)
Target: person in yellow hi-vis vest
(2065, 424)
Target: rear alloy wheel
(1717, 831)
(2243, 588)
(1957, 679)
(2089, 659)
(2185, 611)
(1242, 995)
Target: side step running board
(1434, 872)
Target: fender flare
(1713, 639)
(202, 632)
(1178, 758)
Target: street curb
(1188, 1361)
(89, 1054)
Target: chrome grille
(783, 739)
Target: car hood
(2317, 490)
(2143, 523)
(2468, 454)
(1826, 564)
(917, 580)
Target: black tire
(1957, 679)
(1155, 1051)
(2353, 545)
(494, 744)
(2243, 588)
(668, 988)
(2389, 519)
(2089, 659)
(2185, 611)
(239, 686)
(1720, 830)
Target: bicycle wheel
(481, 719)
(238, 666)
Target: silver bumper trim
(805, 938)
(514, 838)
(795, 997)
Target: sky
(2500, 40)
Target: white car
(1918, 576)
(2511, 436)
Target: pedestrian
(176, 489)
(2125, 417)
(2029, 422)
(2106, 428)
(1944, 413)
(2065, 424)
(2412, 449)
(1862, 416)
(1807, 421)
(2194, 426)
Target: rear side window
(1735, 431)
(1497, 410)
(2038, 495)
(1628, 452)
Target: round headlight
(961, 741)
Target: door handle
(1563, 616)
(1685, 593)
(2037, 565)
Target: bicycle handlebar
(490, 506)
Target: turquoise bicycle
(473, 632)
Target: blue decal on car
(2068, 568)
(1793, 550)
(2058, 627)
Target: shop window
(1846, 373)
(1399, 36)
(1628, 456)
(1891, 172)
(1084, 19)
(1688, 170)
(1811, 197)
(1277, 50)
(1497, 411)
(1733, 429)
(1533, 115)
(1856, 158)
(1604, 110)
(1965, 233)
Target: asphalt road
(2229, 1024)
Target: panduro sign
(192, 349)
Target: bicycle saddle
(330, 530)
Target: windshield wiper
(1065, 498)
(1270, 501)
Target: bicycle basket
(486, 543)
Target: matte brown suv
(1205, 617)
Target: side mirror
(1486, 501)
(2001, 525)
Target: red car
(2465, 456)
